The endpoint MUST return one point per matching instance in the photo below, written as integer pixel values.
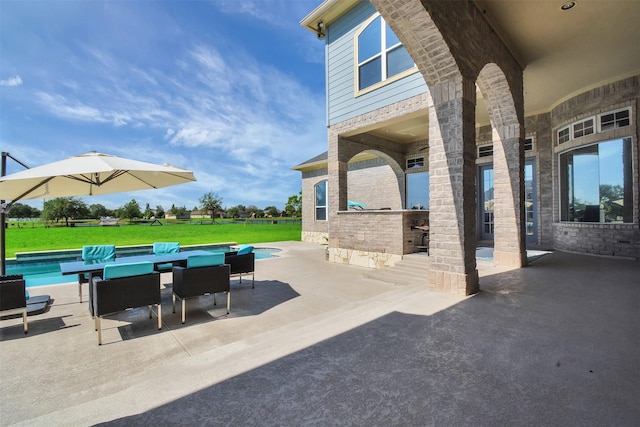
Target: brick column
(337, 187)
(452, 187)
(508, 196)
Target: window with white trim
(379, 54)
(564, 135)
(583, 128)
(615, 119)
(416, 162)
(321, 200)
(605, 122)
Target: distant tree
(131, 210)
(233, 212)
(64, 208)
(20, 210)
(148, 213)
(211, 203)
(271, 210)
(159, 212)
(179, 212)
(294, 205)
(99, 211)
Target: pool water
(41, 272)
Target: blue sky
(232, 90)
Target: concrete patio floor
(316, 343)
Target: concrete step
(319, 327)
(413, 269)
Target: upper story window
(321, 200)
(380, 56)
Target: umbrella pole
(3, 223)
(3, 219)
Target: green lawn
(29, 239)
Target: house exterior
(454, 115)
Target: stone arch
(508, 161)
(450, 61)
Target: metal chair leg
(99, 329)
(159, 316)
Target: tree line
(72, 208)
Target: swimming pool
(44, 269)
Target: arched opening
(375, 181)
(501, 182)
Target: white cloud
(201, 101)
(278, 13)
(13, 81)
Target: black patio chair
(203, 275)
(242, 261)
(124, 286)
(13, 298)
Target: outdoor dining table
(79, 267)
(92, 267)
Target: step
(318, 327)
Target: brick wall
(374, 183)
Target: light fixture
(568, 5)
(320, 30)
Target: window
(606, 121)
(615, 119)
(582, 128)
(596, 183)
(380, 55)
(564, 135)
(417, 162)
(418, 190)
(321, 200)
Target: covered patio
(318, 343)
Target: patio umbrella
(90, 174)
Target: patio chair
(203, 275)
(14, 299)
(162, 248)
(356, 205)
(124, 286)
(242, 262)
(97, 254)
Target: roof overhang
(326, 13)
